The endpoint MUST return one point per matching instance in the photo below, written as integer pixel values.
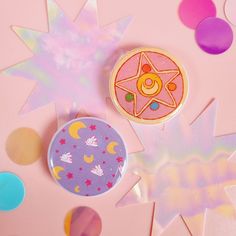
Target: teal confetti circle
(12, 191)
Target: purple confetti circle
(214, 35)
(87, 156)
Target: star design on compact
(150, 87)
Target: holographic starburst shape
(185, 169)
(71, 61)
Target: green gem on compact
(129, 97)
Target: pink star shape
(62, 141)
(69, 175)
(142, 102)
(119, 159)
(88, 182)
(109, 184)
(92, 127)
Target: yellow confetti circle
(24, 146)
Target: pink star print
(69, 175)
(92, 127)
(119, 159)
(88, 182)
(62, 141)
(109, 184)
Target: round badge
(148, 85)
(87, 156)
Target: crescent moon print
(74, 129)
(111, 147)
(76, 189)
(56, 171)
(86, 155)
(148, 85)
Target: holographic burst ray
(71, 60)
(217, 225)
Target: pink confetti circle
(214, 35)
(230, 11)
(192, 12)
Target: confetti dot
(12, 191)
(214, 35)
(230, 11)
(83, 221)
(146, 68)
(24, 146)
(129, 97)
(192, 12)
(172, 86)
(154, 106)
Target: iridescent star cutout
(141, 102)
(71, 61)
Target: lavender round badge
(87, 156)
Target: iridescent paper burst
(184, 169)
(71, 61)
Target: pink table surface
(151, 26)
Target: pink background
(155, 23)
(146, 28)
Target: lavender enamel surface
(87, 156)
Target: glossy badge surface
(148, 85)
(87, 156)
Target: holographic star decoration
(71, 61)
(185, 169)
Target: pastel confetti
(192, 12)
(230, 11)
(214, 35)
(12, 191)
(24, 146)
(83, 221)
